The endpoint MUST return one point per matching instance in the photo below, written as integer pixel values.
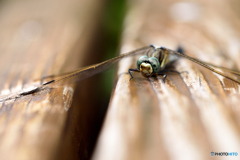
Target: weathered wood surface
(191, 114)
(40, 38)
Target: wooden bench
(187, 117)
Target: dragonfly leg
(164, 76)
(132, 70)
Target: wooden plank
(40, 38)
(190, 115)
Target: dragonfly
(155, 62)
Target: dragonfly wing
(89, 71)
(224, 69)
(204, 64)
(78, 75)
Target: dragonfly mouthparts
(146, 69)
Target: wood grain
(193, 113)
(40, 38)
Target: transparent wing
(224, 69)
(78, 75)
(208, 66)
(89, 71)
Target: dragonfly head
(148, 65)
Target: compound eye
(155, 64)
(141, 60)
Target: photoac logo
(223, 154)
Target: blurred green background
(112, 24)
